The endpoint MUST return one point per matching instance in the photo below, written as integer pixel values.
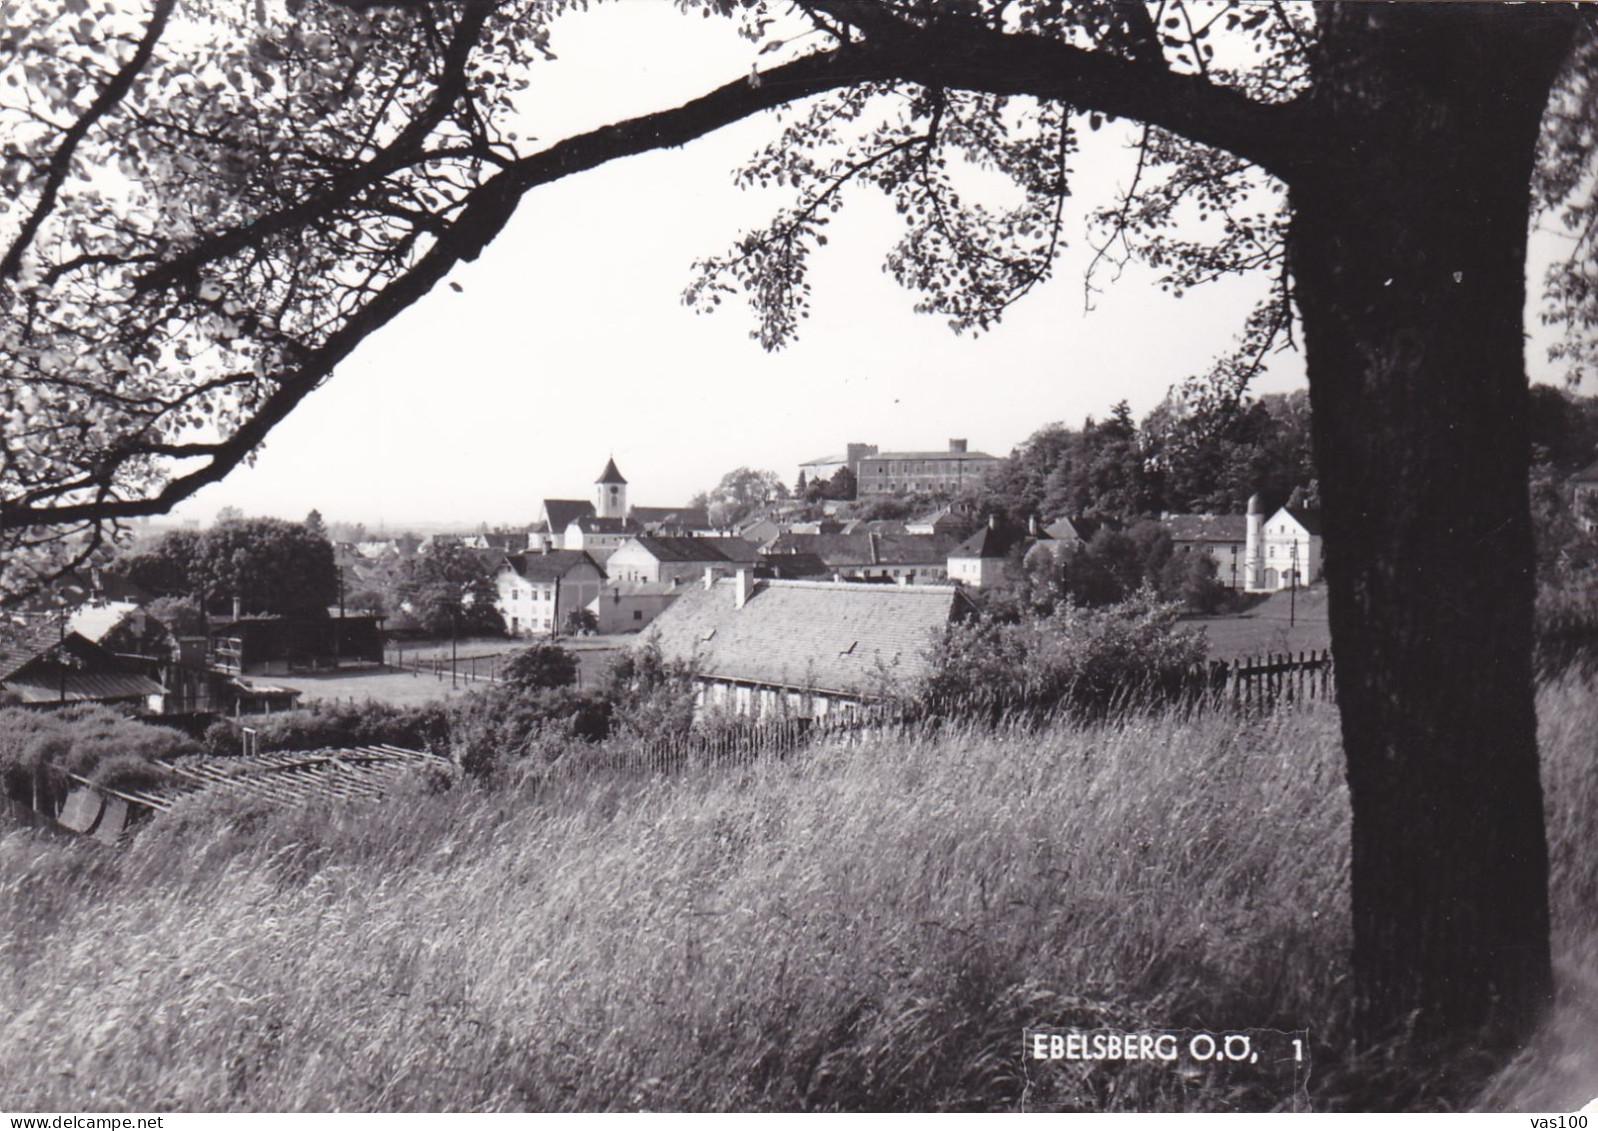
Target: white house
(536, 592)
(1283, 550)
(982, 559)
(628, 606)
(1221, 537)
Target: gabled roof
(1206, 527)
(21, 644)
(561, 513)
(866, 549)
(1308, 519)
(85, 687)
(549, 566)
(593, 524)
(664, 549)
(810, 635)
(610, 474)
(1588, 474)
(995, 542)
(92, 622)
(735, 549)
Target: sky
(567, 342)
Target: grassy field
(865, 926)
(409, 688)
(1283, 622)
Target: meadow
(869, 924)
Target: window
(638, 614)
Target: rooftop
(814, 635)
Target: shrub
(1089, 661)
(336, 724)
(542, 666)
(38, 750)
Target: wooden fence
(465, 669)
(1266, 682)
(1255, 684)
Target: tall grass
(865, 925)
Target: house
(913, 558)
(913, 473)
(983, 559)
(649, 557)
(536, 592)
(600, 527)
(1222, 537)
(43, 664)
(628, 606)
(1283, 550)
(944, 520)
(803, 648)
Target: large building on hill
(880, 473)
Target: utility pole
(1292, 597)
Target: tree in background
(268, 564)
(541, 667)
(740, 493)
(450, 590)
(314, 526)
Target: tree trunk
(1409, 254)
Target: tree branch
(61, 161)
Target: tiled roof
(1206, 527)
(548, 567)
(1587, 474)
(1308, 519)
(991, 542)
(943, 455)
(561, 513)
(866, 549)
(85, 687)
(735, 549)
(664, 549)
(92, 622)
(816, 635)
(21, 644)
(593, 524)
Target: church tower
(611, 498)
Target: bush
(1089, 661)
(38, 750)
(336, 724)
(542, 666)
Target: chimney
(993, 521)
(1032, 525)
(957, 445)
(238, 608)
(710, 577)
(743, 586)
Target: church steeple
(611, 492)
